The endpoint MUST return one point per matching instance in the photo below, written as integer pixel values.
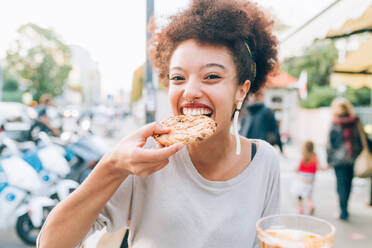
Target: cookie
(186, 129)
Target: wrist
(110, 165)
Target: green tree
(320, 96)
(317, 60)
(10, 89)
(358, 97)
(40, 60)
(10, 83)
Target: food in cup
(287, 238)
(294, 231)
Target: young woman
(343, 147)
(201, 195)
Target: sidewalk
(357, 232)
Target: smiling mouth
(196, 109)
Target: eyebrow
(215, 64)
(204, 66)
(176, 68)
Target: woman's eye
(177, 78)
(212, 76)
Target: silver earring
(235, 127)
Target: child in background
(305, 177)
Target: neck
(210, 156)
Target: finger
(149, 130)
(140, 167)
(153, 163)
(152, 170)
(155, 167)
(158, 168)
(153, 128)
(156, 155)
(143, 166)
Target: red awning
(280, 79)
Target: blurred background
(88, 61)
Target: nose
(192, 89)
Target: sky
(113, 31)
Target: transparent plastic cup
(294, 231)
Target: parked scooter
(31, 182)
(9, 146)
(52, 167)
(52, 164)
(88, 150)
(21, 198)
(87, 147)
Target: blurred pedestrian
(259, 121)
(304, 183)
(43, 120)
(343, 146)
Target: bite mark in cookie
(186, 129)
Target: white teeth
(196, 111)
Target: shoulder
(267, 157)
(268, 111)
(268, 150)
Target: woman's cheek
(173, 98)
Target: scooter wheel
(26, 230)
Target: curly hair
(230, 23)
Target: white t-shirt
(177, 207)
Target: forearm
(72, 219)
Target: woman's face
(340, 110)
(203, 80)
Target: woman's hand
(129, 156)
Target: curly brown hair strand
(221, 22)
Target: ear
(242, 91)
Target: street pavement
(355, 233)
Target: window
(276, 99)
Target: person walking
(343, 147)
(259, 121)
